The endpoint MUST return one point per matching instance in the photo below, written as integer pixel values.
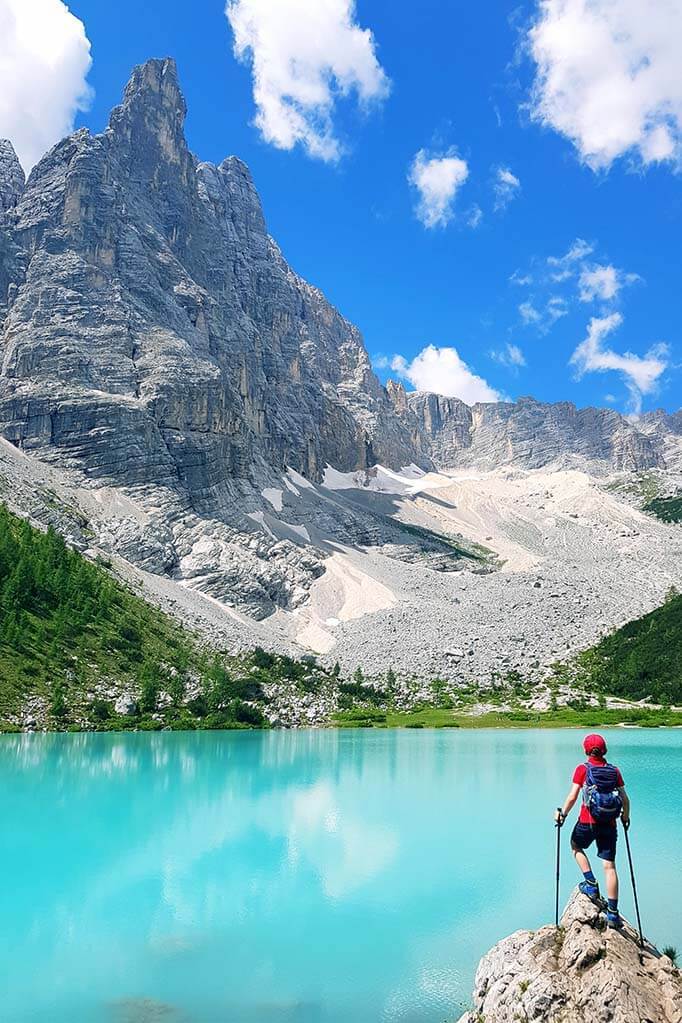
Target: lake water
(308, 877)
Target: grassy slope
(643, 659)
(70, 635)
(669, 509)
(65, 619)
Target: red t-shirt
(579, 776)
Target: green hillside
(643, 658)
(62, 616)
(72, 638)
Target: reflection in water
(293, 876)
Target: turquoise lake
(297, 877)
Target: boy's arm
(625, 815)
(569, 803)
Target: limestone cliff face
(530, 434)
(581, 973)
(665, 432)
(155, 334)
(11, 257)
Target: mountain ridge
(139, 211)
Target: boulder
(581, 972)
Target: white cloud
(602, 282)
(305, 54)
(641, 373)
(510, 356)
(556, 308)
(474, 216)
(437, 179)
(44, 61)
(579, 250)
(521, 279)
(608, 77)
(529, 314)
(544, 319)
(506, 187)
(443, 371)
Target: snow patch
(290, 487)
(412, 471)
(259, 518)
(408, 482)
(299, 480)
(274, 496)
(299, 530)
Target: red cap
(594, 744)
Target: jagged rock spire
(12, 178)
(149, 124)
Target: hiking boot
(589, 888)
(614, 919)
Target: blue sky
(544, 247)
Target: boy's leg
(581, 838)
(613, 917)
(611, 878)
(581, 858)
(606, 850)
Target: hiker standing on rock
(604, 801)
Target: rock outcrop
(531, 434)
(580, 973)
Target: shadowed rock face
(156, 335)
(529, 434)
(581, 973)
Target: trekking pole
(558, 860)
(634, 886)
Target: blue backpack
(600, 792)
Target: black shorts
(583, 836)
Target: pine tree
(149, 687)
(58, 705)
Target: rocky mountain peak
(12, 179)
(153, 87)
(148, 126)
(160, 272)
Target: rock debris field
(566, 559)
